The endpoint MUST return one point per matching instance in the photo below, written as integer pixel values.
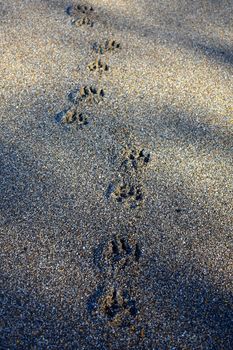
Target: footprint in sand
(90, 94)
(128, 188)
(118, 254)
(109, 45)
(118, 307)
(79, 22)
(73, 117)
(115, 305)
(81, 15)
(128, 193)
(135, 159)
(98, 65)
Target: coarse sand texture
(116, 174)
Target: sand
(116, 228)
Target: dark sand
(80, 270)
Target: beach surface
(116, 174)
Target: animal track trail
(119, 258)
(107, 46)
(81, 15)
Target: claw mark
(117, 254)
(78, 22)
(98, 65)
(72, 116)
(118, 307)
(83, 9)
(129, 190)
(79, 9)
(82, 15)
(135, 158)
(108, 46)
(120, 249)
(91, 94)
(129, 193)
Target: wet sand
(116, 218)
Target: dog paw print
(80, 8)
(117, 254)
(79, 22)
(82, 15)
(107, 46)
(73, 117)
(120, 252)
(98, 65)
(82, 120)
(91, 94)
(69, 116)
(118, 307)
(129, 194)
(134, 158)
